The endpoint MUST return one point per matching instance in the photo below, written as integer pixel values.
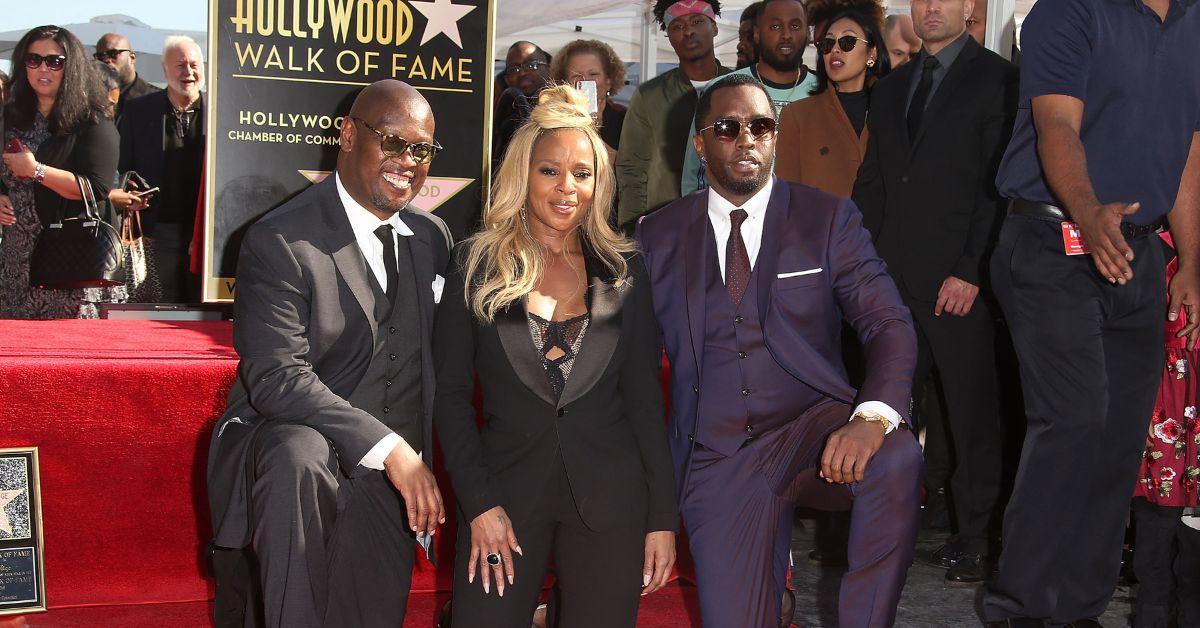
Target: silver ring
(493, 559)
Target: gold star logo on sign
(441, 17)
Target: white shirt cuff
(374, 458)
(882, 409)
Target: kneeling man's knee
(291, 452)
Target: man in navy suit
(751, 281)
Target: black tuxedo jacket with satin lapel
(304, 329)
(608, 422)
(930, 201)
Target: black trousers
(1090, 355)
(599, 574)
(963, 350)
(332, 550)
(1166, 560)
(170, 249)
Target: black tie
(384, 233)
(916, 109)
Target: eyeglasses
(845, 42)
(728, 129)
(53, 62)
(394, 146)
(531, 66)
(111, 54)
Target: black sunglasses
(532, 66)
(728, 129)
(109, 55)
(53, 62)
(394, 145)
(845, 42)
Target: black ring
(493, 559)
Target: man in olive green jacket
(657, 125)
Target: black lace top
(557, 342)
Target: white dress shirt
(364, 224)
(752, 230)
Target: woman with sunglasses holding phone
(825, 137)
(550, 310)
(56, 128)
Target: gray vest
(391, 388)
(745, 391)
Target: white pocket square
(811, 271)
(439, 282)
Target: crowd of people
(835, 262)
(140, 149)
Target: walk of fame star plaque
(22, 583)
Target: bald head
(901, 39)
(382, 183)
(115, 50)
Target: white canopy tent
(144, 39)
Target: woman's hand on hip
(492, 533)
(660, 559)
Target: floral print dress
(1170, 466)
(17, 299)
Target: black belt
(1050, 213)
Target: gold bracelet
(875, 417)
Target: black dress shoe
(1016, 622)
(947, 555)
(968, 570)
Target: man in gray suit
(321, 460)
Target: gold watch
(875, 417)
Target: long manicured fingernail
(470, 578)
(486, 588)
(645, 579)
(518, 550)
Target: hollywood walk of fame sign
(22, 581)
(282, 76)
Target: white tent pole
(1001, 27)
(649, 56)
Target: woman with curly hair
(550, 310)
(592, 60)
(58, 112)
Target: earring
(870, 63)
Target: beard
(780, 63)
(743, 186)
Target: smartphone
(14, 146)
(588, 89)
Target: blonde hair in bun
(503, 262)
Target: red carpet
(673, 607)
(122, 412)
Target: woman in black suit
(572, 465)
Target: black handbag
(78, 252)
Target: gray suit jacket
(304, 330)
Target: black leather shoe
(947, 555)
(968, 570)
(1016, 622)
